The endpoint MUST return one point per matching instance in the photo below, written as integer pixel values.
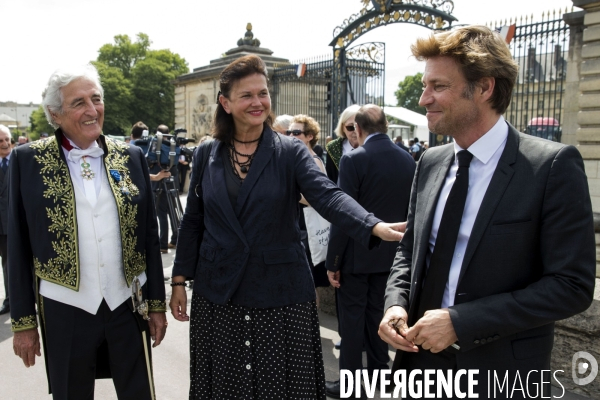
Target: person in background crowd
(162, 203)
(480, 289)
(400, 143)
(83, 235)
(378, 175)
(254, 324)
(416, 149)
(137, 139)
(307, 130)
(5, 149)
(22, 140)
(345, 142)
(282, 124)
(183, 166)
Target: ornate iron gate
(541, 50)
(305, 87)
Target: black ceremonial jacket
(42, 223)
(251, 254)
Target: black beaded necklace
(244, 165)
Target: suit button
(490, 339)
(496, 337)
(247, 317)
(483, 341)
(476, 341)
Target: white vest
(100, 257)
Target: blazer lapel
(500, 180)
(261, 159)
(216, 170)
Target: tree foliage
(137, 83)
(39, 124)
(409, 92)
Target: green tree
(124, 54)
(409, 91)
(39, 124)
(118, 100)
(137, 83)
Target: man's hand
(160, 175)
(334, 278)
(433, 332)
(178, 303)
(389, 232)
(26, 344)
(158, 327)
(396, 316)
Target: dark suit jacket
(378, 176)
(42, 223)
(530, 259)
(252, 254)
(3, 203)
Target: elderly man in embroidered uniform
(83, 234)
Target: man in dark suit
(84, 241)
(481, 288)
(5, 149)
(378, 175)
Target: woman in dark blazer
(254, 326)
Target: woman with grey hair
(346, 141)
(282, 123)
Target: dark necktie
(4, 165)
(439, 265)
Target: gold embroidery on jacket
(134, 263)
(64, 268)
(157, 306)
(24, 323)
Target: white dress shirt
(346, 147)
(486, 154)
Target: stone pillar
(582, 99)
(588, 118)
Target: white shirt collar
(485, 147)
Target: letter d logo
(580, 367)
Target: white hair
(4, 128)
(283, 121)
(52, 95)
(346, 115)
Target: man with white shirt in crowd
(85, 201)
(5, 149)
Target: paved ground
(171, 360)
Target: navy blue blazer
(251, 254)
(530, 259)
(378, 176)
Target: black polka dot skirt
(255, 353)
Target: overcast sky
(38, 36)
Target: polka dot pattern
(255, 353)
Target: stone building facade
(196, 92)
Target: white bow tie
(76, 154)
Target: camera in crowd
(165, 149)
